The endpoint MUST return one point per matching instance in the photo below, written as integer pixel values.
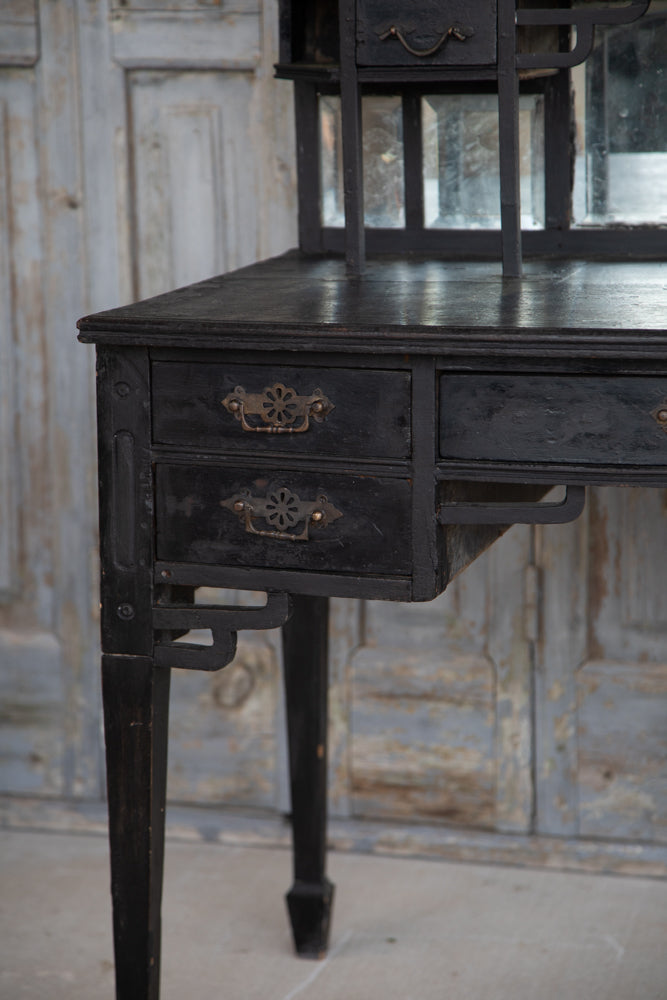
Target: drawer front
(426, 32)
(283, 520)
(541, 418)
(264, 409)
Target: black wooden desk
(289, 429)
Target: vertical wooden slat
(308, 167)
(126, 519)
(558, 151)
(413, 154)
(513, 593)
(562, 555)
(8, 415)
(353, 177)
(508, 112)
(70, 375)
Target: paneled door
(601, 764)
(143, 145)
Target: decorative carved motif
(279, 407)
(282, 509)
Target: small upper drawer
(426, 32)
(262, 409)
(543, 418)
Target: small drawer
(426, 32)
(283, 520)
(334, 412)
(560, 419)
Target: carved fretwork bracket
(171, 620)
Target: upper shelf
(439, 39)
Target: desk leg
(136, 709)
(305, 646)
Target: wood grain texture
(126, 502)
(306, 675)
(190, 412)
(136, 710)
(372, 535)
(551, 418)
(576, 310)
(422, 24)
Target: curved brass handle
(456, 31)
(279, 407)
(282, 509)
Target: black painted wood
(508, 141)
(422, 24)
(306, 116)
(559, 151)
(450, 385)
(371, 535)
(136, 706)
(554, 418)
(305, 646)
(367, 586)
(125, 482)
(413, 155)
(189, 410)
(575, 310)
(351, 127)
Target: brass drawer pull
(282, 509)
(279, 407)
(456, 31)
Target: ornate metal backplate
(282, 510)
(280, 408)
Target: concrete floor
(403, 930)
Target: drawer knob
(456, 31)
(281, 510)
(278, 409)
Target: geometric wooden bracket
(171, 620)
(560, 512)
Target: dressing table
(361, 417)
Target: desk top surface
(418, 305)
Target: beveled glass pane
(384, 183)
(621, 121)
(461, 165)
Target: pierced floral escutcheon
(282, 509)
(280, 408)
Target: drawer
(393, 33)
(541, 418)
(262, 409)
(283, 520)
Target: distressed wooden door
(601, 764)
(143, 145)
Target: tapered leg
(136, 709)
(305, 645)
